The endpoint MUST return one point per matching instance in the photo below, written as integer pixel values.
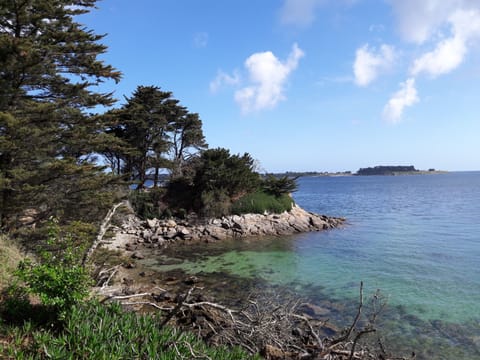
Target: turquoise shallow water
(417, 238)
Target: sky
(310, 85)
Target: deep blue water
(416, 238)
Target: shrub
(215, 203)
(148, 204)
(58, 279)
(261, 202)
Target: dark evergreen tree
(157, 133)
(222, 177)
(48, 67)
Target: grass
(96, 331)
(261, 202)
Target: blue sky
(311, 85)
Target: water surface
(417, 238)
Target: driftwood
(274, 329)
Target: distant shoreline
(375, 171)
(348, 173)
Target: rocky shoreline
(159, 233)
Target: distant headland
(395, 170)
(376, 170)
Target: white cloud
(267, 75)
(405, 97)
(369, 64)
(299, 12)
(222, 79)
(418, 20)
(449, 53)
(447, 56)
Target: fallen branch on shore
(276, 330)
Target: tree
(279, 186)
(48, 67)
(143, 125)
(157, 133)
(187, 140)
(221, 178)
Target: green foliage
(49, 69)
(279, 186)
(212, 182)
(95, 331)
(157, 133)
(58, 278)
(261, 202)
(215, 203)
(221, 171)
(148, 204)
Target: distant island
(394, 170)
(376, 170)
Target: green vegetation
(261, 202)
(386, 170)
(98, 331)
(55, 187)
(58, 278)
(153, 133)
(218, 184)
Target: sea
(413, 241)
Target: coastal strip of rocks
(161, 232)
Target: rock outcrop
(162, 232)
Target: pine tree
(157, 133)
(48, 67)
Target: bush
(58, 279)
(215, 204)
(261, 202)
(148, 204)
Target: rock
(130, 247)
(138, 256)
(191, 280)
(170, 234)
(184, 233)
(170, 223)
(152, 223)
(314, 310)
